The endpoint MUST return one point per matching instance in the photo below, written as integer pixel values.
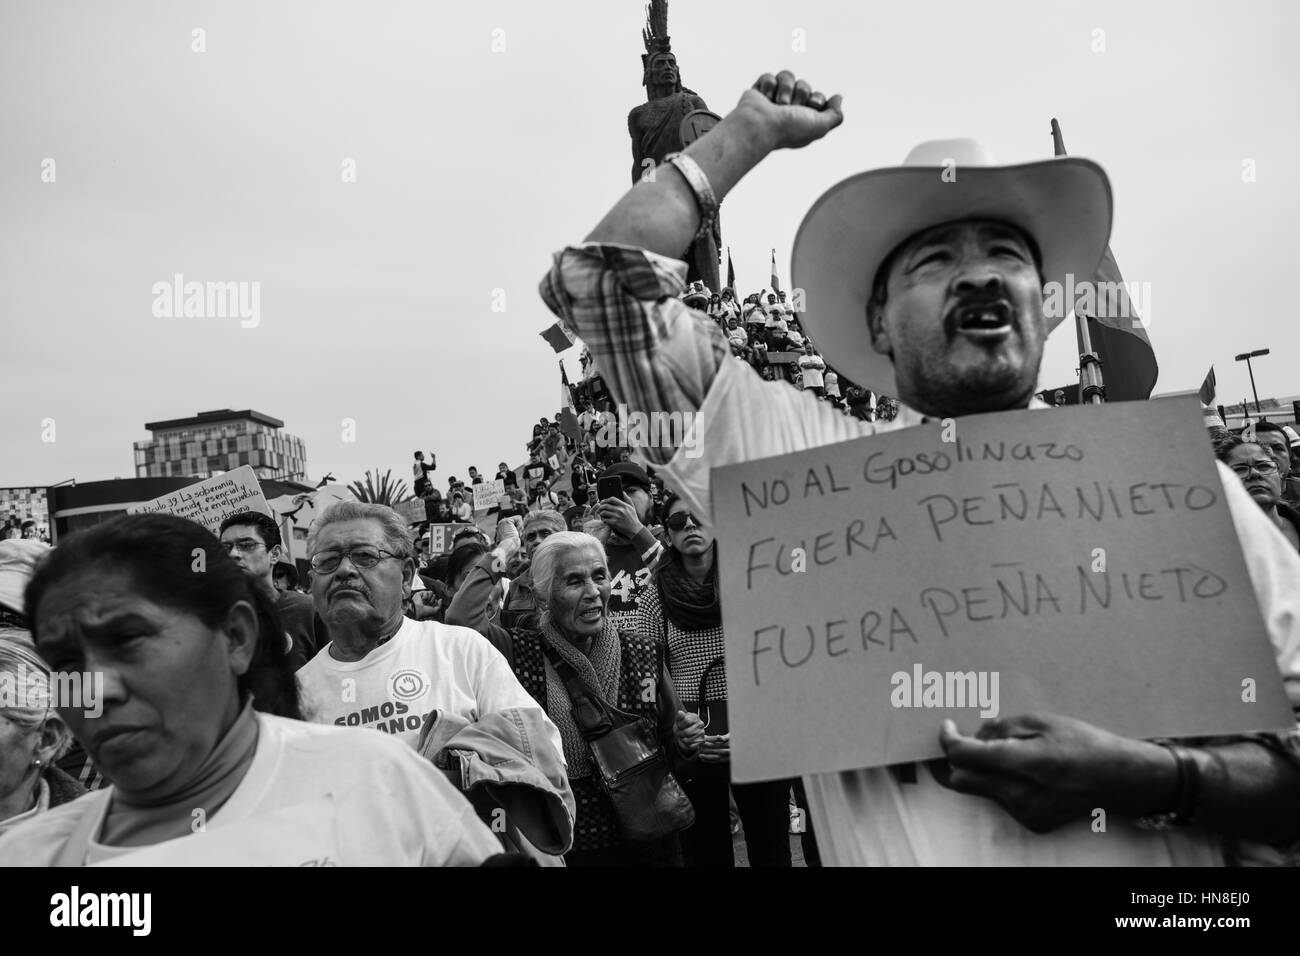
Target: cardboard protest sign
(211, 501)
(411, 510)
(441, 535)
(487, 494)
(1078, 561)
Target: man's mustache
(359, 588)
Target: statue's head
(661, 76)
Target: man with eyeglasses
(253, 540)
(1274, 439)
(1258, 469)
(442, 689)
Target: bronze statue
(670, 120)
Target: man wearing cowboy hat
(926, 282)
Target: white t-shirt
(313, 796)
(832, 384)
(426, 667)
(866, 817)
(812, 367)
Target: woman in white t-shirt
(154, 608)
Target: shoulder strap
(590, 712)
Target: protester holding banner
(199, 777)
(949, 275)
(507, 475)
(514, 505)
(681, 612)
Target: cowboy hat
(1064, 204)
(696, 291)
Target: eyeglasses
(679, 519)
(1259, 467)
(245, 545)
(327, 562)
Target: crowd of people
(17, 526)
(256, 703)
(554, 691)
(764, 331)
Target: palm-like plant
(384, 491)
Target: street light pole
(1246, 357)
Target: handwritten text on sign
(1078, 561)
(487, 494)
(211, 501)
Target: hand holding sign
(905, 578)
(1047, 770)
(688, 732)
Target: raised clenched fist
(789, 111)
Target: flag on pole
(731, 277)
(568, 420)
(776, 286)
(1128, 362)
(557, 337)
(1207, 388)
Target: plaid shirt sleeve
(654, 353)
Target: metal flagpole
(1092, 390)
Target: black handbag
(713, 714)
(631, 766)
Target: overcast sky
(473, 166)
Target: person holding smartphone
(681, 612)
(625, 504)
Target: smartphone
(611, 487)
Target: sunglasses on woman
(678, 520)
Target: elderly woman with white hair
(32, 737)
(579, 667)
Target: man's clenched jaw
(962, 319)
